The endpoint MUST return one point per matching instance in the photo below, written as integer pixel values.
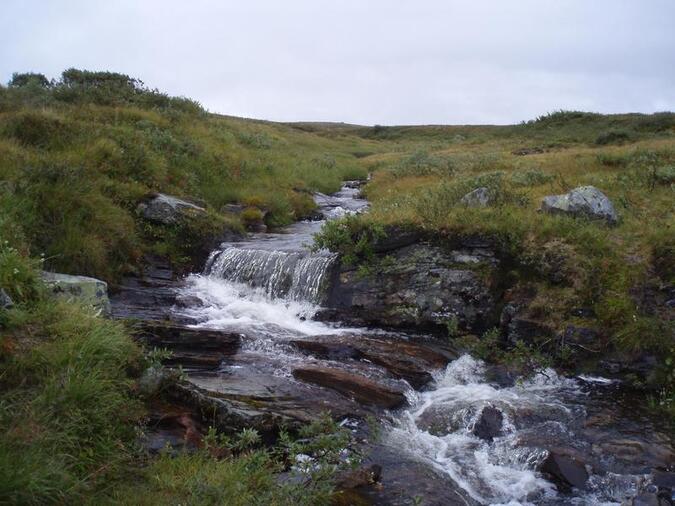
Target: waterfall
(293, 275)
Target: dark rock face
(565, 470)
(362, 389)
(422, 286)
(489, 425)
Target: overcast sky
(367, 62)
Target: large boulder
(565, 469)
(417, 286)
(168, 210)
(89, 291)
(585, 201)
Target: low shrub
(613, 137)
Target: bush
(39, 129)
(351, 236)
(531, 177)
(613, 137)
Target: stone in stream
(360, 388)
(168, 210)
(89, 291)
(565, 470)
(584, 201)
(489, 424)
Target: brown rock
(362, 389)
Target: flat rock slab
(363, 390)
(406, 360)
(190, 347)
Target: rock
(421, 287)
(83, 289)
(402, 359)
(233, 208)
(586, 201)
(168, 210)
(565, 470)
(580, 335)
(190, 347)
(5, 300)
(664, 479)
(362, 389)
(648, 499)
(363, 476)
(480, 197)
(152, 380)
(536, 150)
(489, 424)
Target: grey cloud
(386, 62)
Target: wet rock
(5, 300)
(489, 424)
(480, 197)
(363, 476)
(406, 360)
(360, 388)
(565, 470)
(83, 289)
(586, 201)
(649, 499)
(172, 426)
(664, 479)
(421, 287)
(189, 347)
(396, 238)
(168, 210)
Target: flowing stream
(270, 286)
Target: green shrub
(18, 274)
(38, 129)
(531, 177)
(251, 216)
(613, 137)
(351, 236)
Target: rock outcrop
(584, 201)
(168, 210)
(419, 285)
(83, 289)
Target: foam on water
(241, 308)
(438, 430)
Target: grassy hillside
(78, 155)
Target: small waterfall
(293, 275)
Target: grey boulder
(168, 210)
(480, 197)
(5, 300)
(89, 291)
(586, 201)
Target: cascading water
(269, 287)
(298, 276)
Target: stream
(268, 288)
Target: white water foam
(240, 308)
(497, 472)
